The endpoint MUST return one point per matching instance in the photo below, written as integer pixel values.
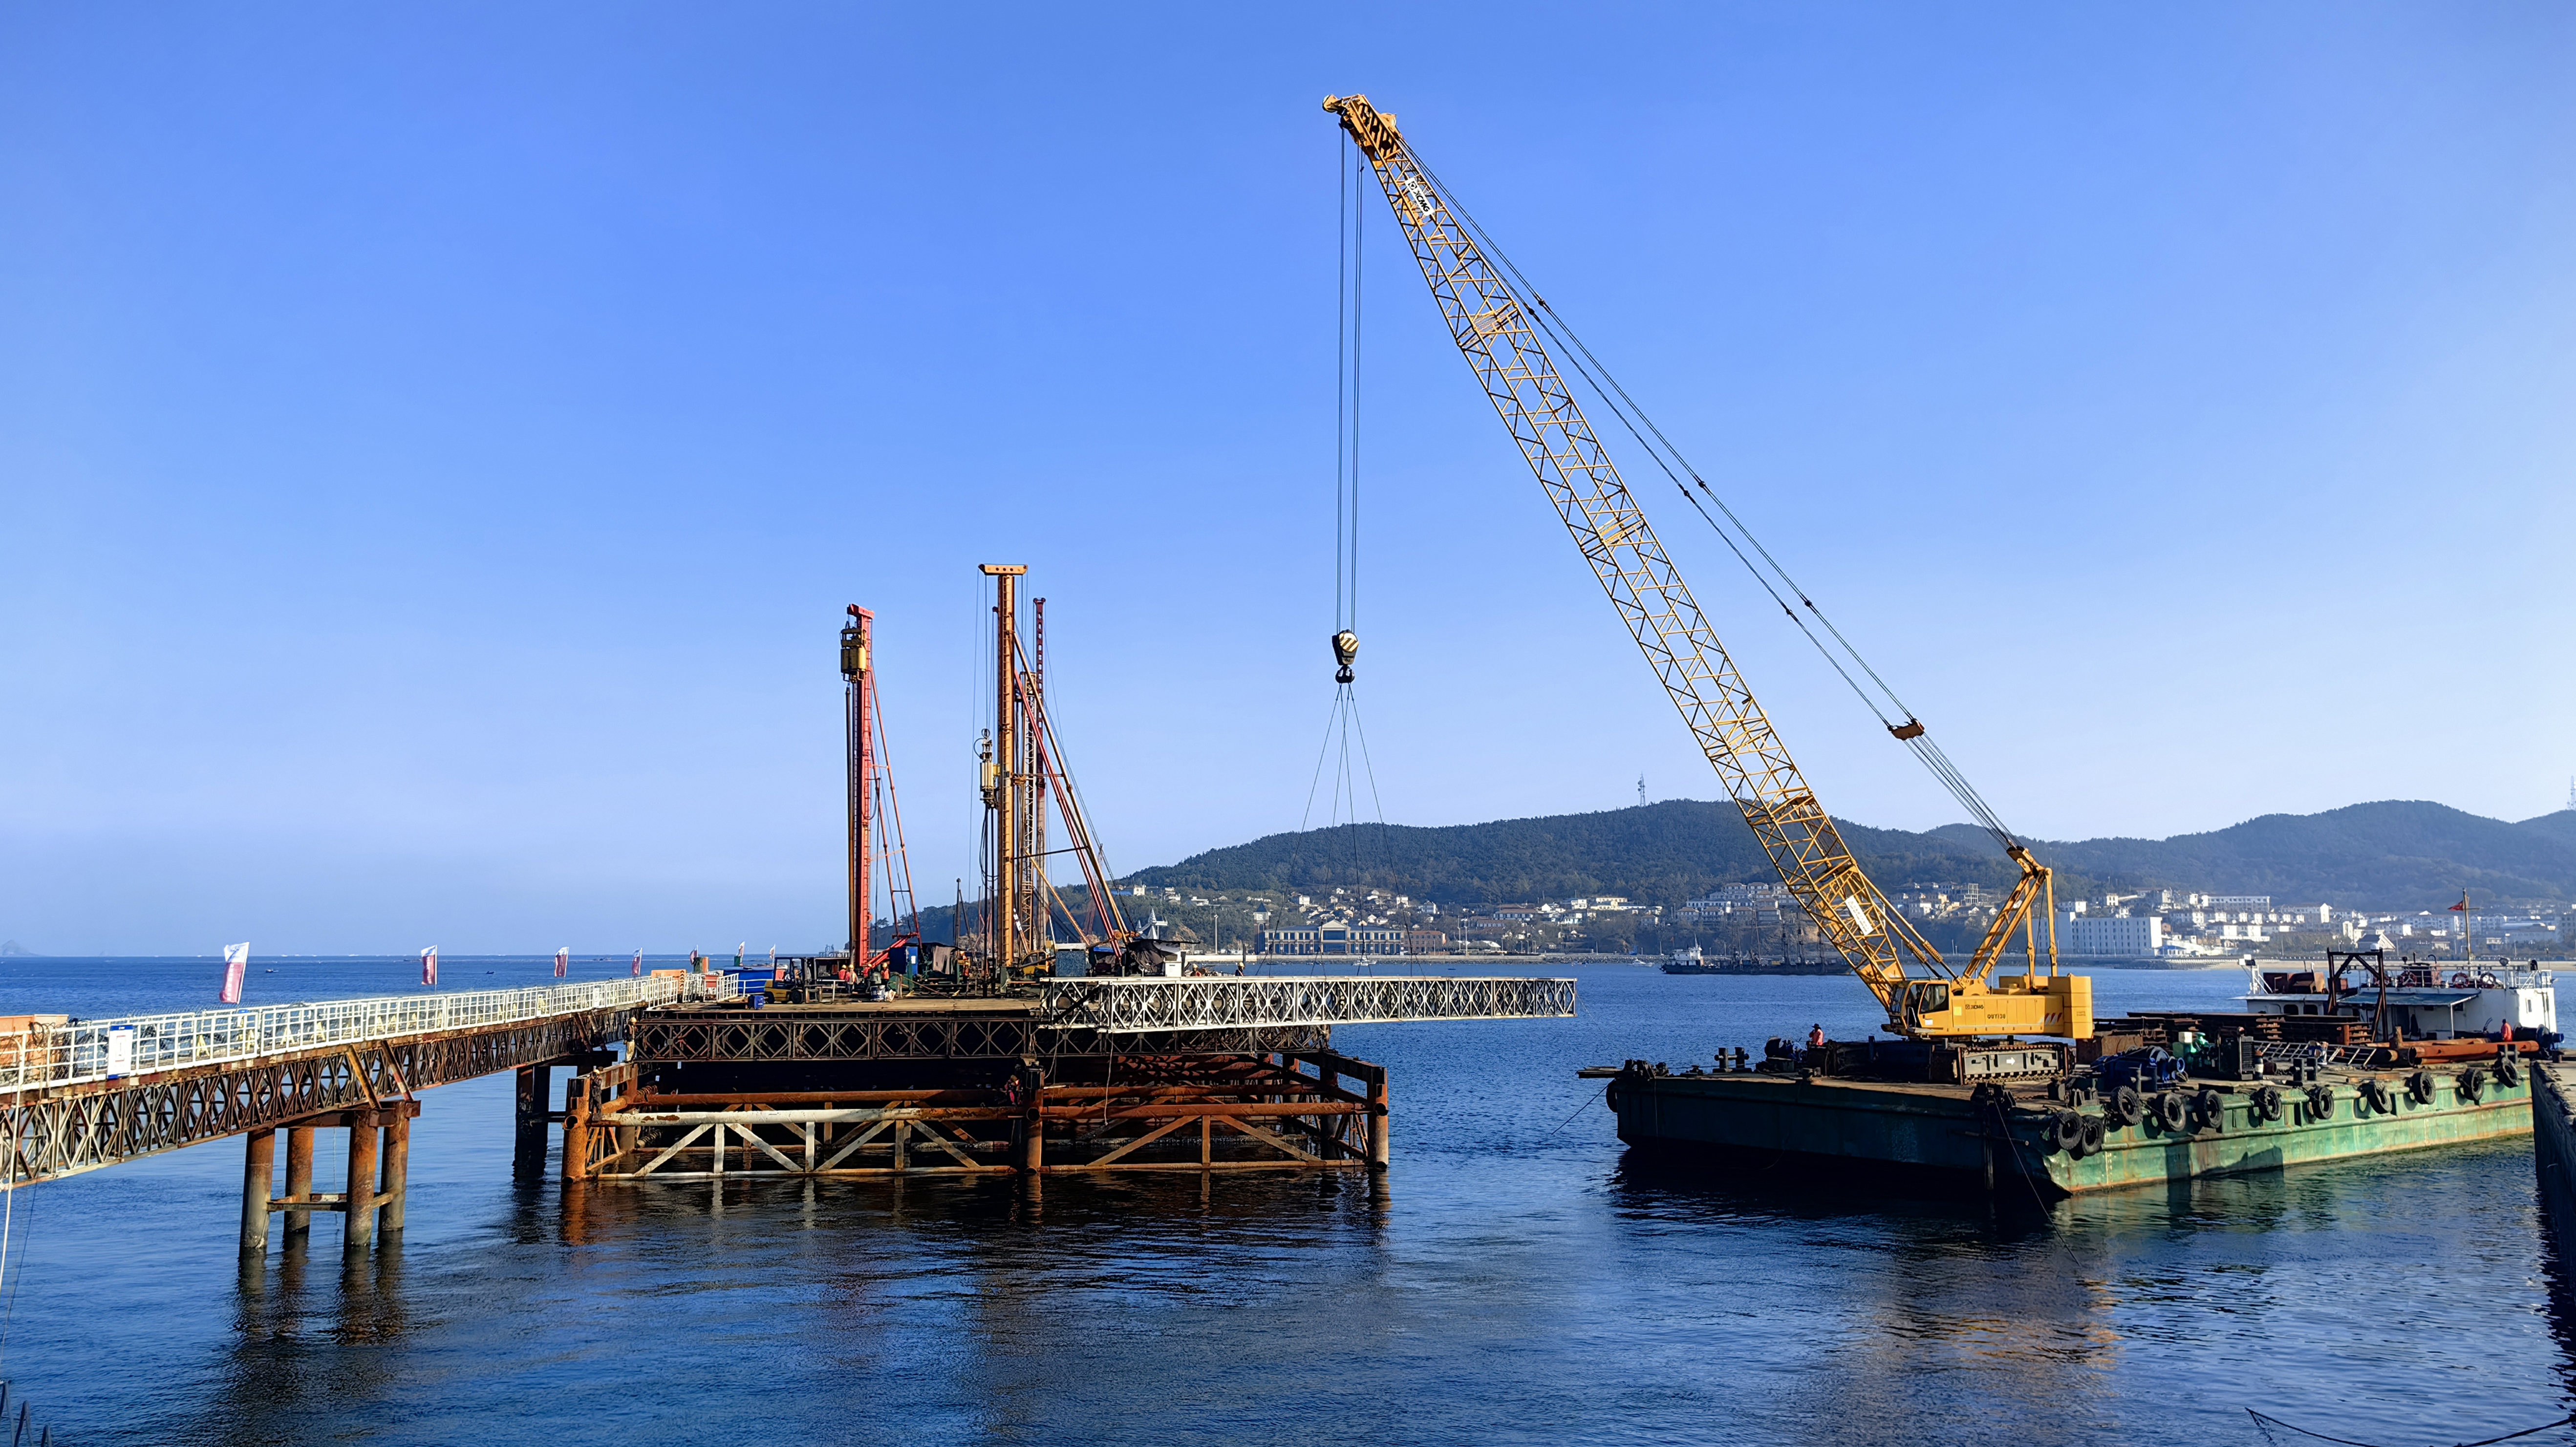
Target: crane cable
(1615, 397)
(1344, 719)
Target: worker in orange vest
(1816, 1038)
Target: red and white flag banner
(429, 967)
(236, 965)
(563, 961)
(637, 969)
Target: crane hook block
(1346, 646)
(1910, 729)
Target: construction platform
(1083, 1075)
(2020, 1137)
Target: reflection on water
(1517, 1279)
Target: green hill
(2389, 855)
(2396, 854)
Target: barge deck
(2016, 1138)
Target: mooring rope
(8, 1220)
(2264, 1424)
(1578, 1110)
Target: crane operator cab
(2008, 1005)
(1926, 1002)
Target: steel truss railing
(49, 1134)
(77, 1054)
(1125, 1006)
(733, 1037)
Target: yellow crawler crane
(1924, 996)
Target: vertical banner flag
(637, 969)
(737, 955)
(773, 958)
(236, 965)
(563, 961)
(429, 967)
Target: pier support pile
(373, 1198)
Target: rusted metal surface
(259, 1167)
(390, 1217)
(391, 1125)
(1309, 1110)
(299, 1183)
(1275, 1002)
(358, 1229)
(1010, 1033)
(64, 1131)
(61, 1056)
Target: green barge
(2026, 1136)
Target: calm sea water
(1514, 1279)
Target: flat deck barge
(2018, 1136)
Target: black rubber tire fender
(2094, 1130)
(2211, 1107)
(2169, 1110)
(2508, 1069)
(2321, 1102)
(2267, 1102)
(2123, 1106)
(2422, 1087)
(1612, 1096)
(2066, 1129)
(2473, 1084)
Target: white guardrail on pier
(1125, 1006)
(78, 1053)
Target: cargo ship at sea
(1690, 961)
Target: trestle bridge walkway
(83, 1095)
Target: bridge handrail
(1118, 1006)
(77, 1053)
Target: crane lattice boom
(1494, 332)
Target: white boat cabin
(2427, 1001)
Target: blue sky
(436, 444)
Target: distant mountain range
(2397, 854)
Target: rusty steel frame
(805, 1035)
(1275, 1113)
(49, 1134)
(1130, 1006)
(80, 1052)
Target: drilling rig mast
(1023, 773)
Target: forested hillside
(2389, 855)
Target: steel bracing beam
(1123, 1007)
(206, 1074)
(81, 1053)
(62, 1133)
(661, 1037)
